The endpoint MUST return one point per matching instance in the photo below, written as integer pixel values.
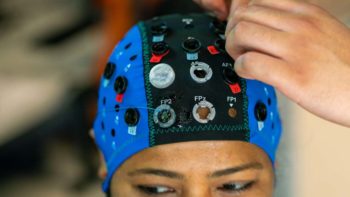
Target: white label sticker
(105, 83)
(116, 120)
(132, 130)
(261, 125)
(266, 91)
(192, 56)
(114, 146)
(126, 69)
(158, 38)
(119, 54)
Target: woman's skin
(296, 46)
(196, 169)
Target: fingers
(219, 7)
(286, 5)
(287, 15)
(274, 18)
(238, 3)
(247, 36)
(262, 67)
(298, 7)
(234, 6)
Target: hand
(221, 8)
(298, 48)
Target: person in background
(298, 47)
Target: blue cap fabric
(170, 80)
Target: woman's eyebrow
(228, 171)
(157, 172)
(176, 175)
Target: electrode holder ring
(204, 112)
(260, 111)
(109, 70)
(159, 29)
(160, 48)
(132, 117)
(191, 45)
(230, 75)
(120, 84)
(201, 72)
(164, 116)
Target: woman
(174, 119)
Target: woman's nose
(198, 190)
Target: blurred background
(52, 53)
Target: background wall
(322, 156)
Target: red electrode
(235, 88)
(119, 98)
(157, 58)
(213, 50)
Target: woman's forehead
(199, 152)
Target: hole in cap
(230, 75)
(159, 48)
(109, 70)
(132, 58)
(269, 101)
(113, 132)
(128, 46)
(104, 100)
(200, 73)
(260, 111)
(273, 126)
(117, 108)
(191, 45)
(120, 84)
(221, 45)
(103, 125)
(132, 117)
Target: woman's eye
(236, 187)
(155, 189)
